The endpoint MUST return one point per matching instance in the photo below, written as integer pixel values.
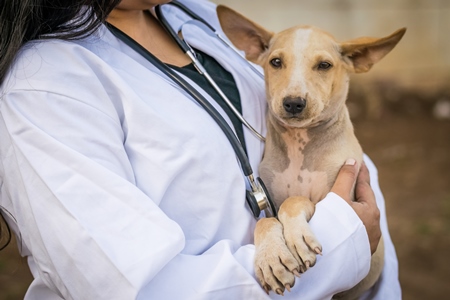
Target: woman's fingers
(365, 204)
(363, 176)
(345, 180)
(366, 207)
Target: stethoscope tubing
(191, 14)
(188, 88)
(190, 52)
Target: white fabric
(122, 187)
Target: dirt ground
(412, 152)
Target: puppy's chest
(302, 173)
(299, 180)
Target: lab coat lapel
(140, 73)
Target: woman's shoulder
(55, 71)
(53, 60)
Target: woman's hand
(364, 204)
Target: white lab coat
(119, 186)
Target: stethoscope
(258, 197)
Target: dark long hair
(25, 20)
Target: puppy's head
(306, 69)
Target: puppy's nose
(294, 105)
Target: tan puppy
(309, 136)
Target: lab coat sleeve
(91, 232)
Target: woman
(119, 186)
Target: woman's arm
(92, 233)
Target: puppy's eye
(324, 65)
(276, 63)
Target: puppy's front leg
(275, 265)
(294, 214)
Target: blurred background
(401, 112)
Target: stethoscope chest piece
(259, 200)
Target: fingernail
(350, 162)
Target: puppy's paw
(294, 214)
(275, 265)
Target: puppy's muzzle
(294, 105)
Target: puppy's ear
(244, 33)
(364, 52)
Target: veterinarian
(118, 185)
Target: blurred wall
(421, 59)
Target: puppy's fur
(309, 136)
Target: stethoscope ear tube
(169, 29)
(192, 56)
